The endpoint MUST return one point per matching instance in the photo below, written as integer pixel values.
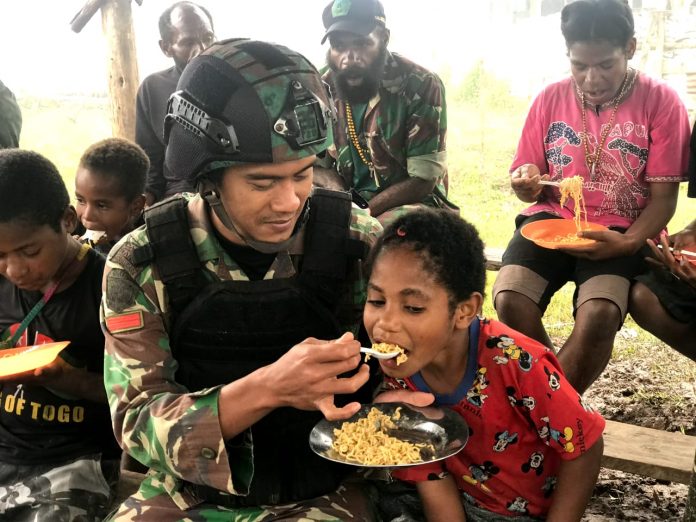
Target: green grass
(481, 144)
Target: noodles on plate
(366, 441)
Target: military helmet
(245, 101)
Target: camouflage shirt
(11, 120)
(404, 129)
(173, 430)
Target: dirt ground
(646, 384)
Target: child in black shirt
(55, 434)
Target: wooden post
(117, 24)
(660, 48)
(690, 512)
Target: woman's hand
(608, 244)
(524, 180)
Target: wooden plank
(494, 258)
(654, 453)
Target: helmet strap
(208, 192)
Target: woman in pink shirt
(627, 135)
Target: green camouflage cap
(246, 101)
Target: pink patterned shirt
(648, 143)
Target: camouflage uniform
(11, 120)
(404, 130)
(172, 430)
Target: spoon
(549, 183)
(683, 252)
(379, 355)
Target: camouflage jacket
(404, 129)
(170, 429)
(11, 120)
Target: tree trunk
(117, 24)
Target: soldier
(10, 119)
(392, 117)
(215, 310)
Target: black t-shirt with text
(36, 424)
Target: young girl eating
(534, 448)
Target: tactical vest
(224, 330)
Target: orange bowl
(26, 358)
(555, 233)
(691, 258)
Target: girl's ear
(467, 310)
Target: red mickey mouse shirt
(523, 417)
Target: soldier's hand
(307, 376)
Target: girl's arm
(441, 500)
(576, 480)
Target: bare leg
(587, 351)
(521, 313)
(648, 312)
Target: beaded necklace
(354, 140)
(593, 159)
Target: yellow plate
(26, 358)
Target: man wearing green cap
(230, 316)
(389, 137)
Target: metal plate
(445, 429)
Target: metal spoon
(379, 355)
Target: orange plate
(26, 358)
(544, 232)
(690, 258)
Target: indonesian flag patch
(125, 322)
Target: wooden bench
(644, 451)
(494, 258)
(654, 453)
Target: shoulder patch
(125, 322)
(122, 255)
(121, 291)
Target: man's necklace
(593, 159)
(356, 144)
